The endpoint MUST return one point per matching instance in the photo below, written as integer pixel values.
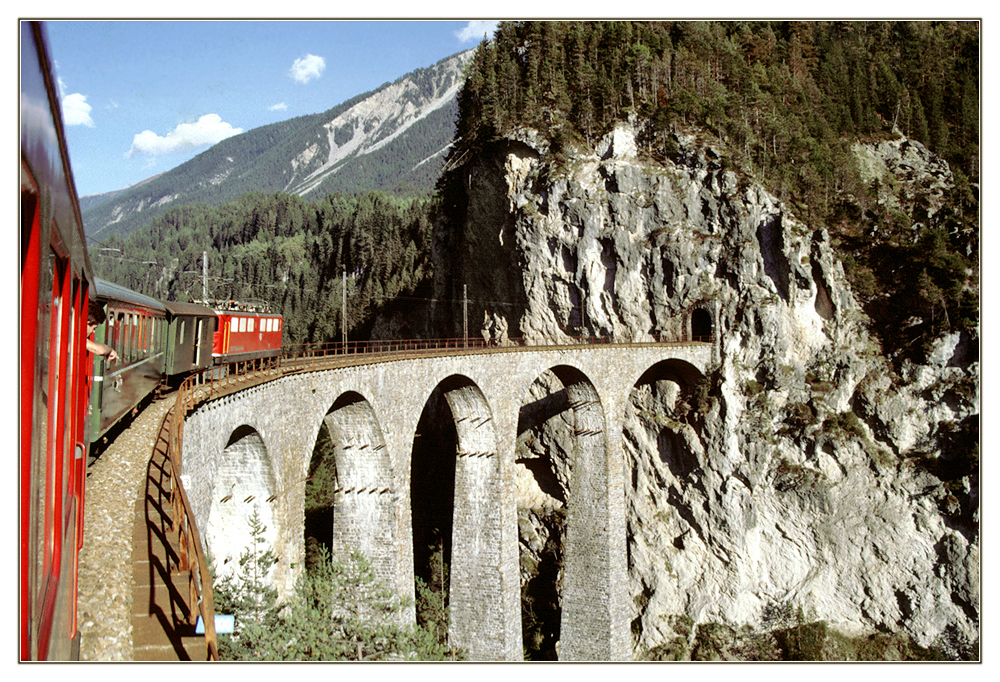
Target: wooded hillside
(786, 100)
(286, 251)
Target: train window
(131, 337)
(39, 446)
(250, 324)
(234, 325)
(58, 352)
(109, 332)
(243, 324)
(180, 334)
(120, 338)
(277, 324)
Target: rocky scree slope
(802, 480)
(386, 139)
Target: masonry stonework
(372, 411)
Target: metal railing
(222, 380)
(183, 523)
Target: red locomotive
(246, 335)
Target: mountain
(393, 139)
(807, 194)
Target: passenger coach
(55, 287)
(136, 327)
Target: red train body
(163, 340)
(56, 283)
(244, 335)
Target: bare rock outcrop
(803, 476)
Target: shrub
(339, 611)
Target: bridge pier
(595, 617)
(484, 597)
(374, 418)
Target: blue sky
(142, 97)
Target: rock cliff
(803, 480)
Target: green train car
(136, 327)
(190, 331)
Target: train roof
(114, 292)
(191, 309)
(45, 166)
(246, 313)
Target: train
(159, 343)
(70, 398)
(56, 284)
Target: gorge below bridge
(252, 449)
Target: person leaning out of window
(95, 316)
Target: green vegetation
(802, 641)
(286, 251)
(432, 596)
(787, 100)
(340, 611)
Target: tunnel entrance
(701, 325)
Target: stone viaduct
(252, 449)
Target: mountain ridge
(392, 138)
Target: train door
(197, 345)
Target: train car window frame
(250, 324)
(243, 324)
(234, 324)
(54, 441)
(135, 337)
(122, 337)
(39, 503)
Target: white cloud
(208, 130)
(475, 30)
(307, 68)
(76, 111)
(280, 106)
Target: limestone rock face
(806, 478)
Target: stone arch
(455, 455)
(563, 415)
(244, 484)
(663, 450)
(664, 398)
(357, 488)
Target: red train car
(246, 335)
(56, 284)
